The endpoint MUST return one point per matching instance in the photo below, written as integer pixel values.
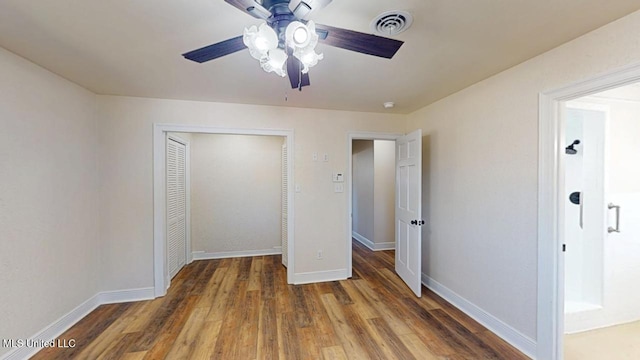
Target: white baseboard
(129, 295)
(363, 240)
(371, 245)
(506, 332)
(55, 329)
(200, 255)
(384, 246)
(320, 276)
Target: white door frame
(350, 137)
(160, 273)
(187, 169)
(550, 205)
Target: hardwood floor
(242, 308)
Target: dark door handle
(414, 222)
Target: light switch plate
(338, 177)
(325, 157)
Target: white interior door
(409, 210)
(176, 206)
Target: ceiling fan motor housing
(281, 17)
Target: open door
(409, 210)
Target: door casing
(551, 145)
(160, 272)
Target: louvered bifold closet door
(176, 206)
(285, 205)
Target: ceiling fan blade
(293, 70)
(360, 42)
(250, 7)
(216, 50)
(302, 9)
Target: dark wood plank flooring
(243, 308)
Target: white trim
(357, 135)
(58, 327)
(497, 326)
(161, 279)
(320, 276)
(371, 245)
(128, 295)
(550, 217)
(363, 240)
(384, 246)
(201, 255)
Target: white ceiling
(133, 48)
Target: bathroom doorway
(601, 229)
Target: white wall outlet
(325, 157)
(338, 187)
(319, 255)
(298, 188)
(315, 156)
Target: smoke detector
(391, 23)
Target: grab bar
(617, 228)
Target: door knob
(414, 222)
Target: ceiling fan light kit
(285, 43)
(260, 40)
(302, 40)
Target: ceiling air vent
(391, 23)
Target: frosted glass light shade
(298, 35)
(275, 62)
(309, 59)
(260, 40)
(303, 50)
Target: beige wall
(362, 180)
(236, 186)
(480, 173)
(384, 191)
(126, 195)
(50, 255)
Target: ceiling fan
(285, 42)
